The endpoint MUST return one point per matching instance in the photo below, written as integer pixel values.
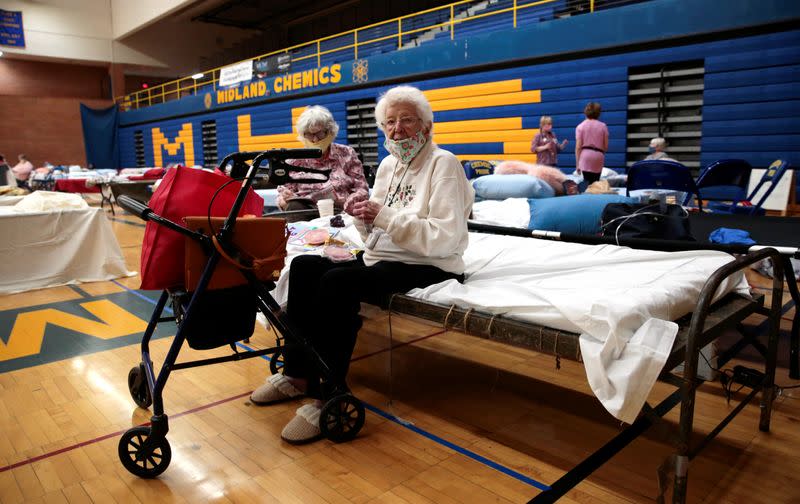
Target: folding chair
(725, 180)
(660, 174)
(746, 206)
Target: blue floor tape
(433, 437)
(474, 456)
(141, 296)
(463, 451)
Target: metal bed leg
(685, 434)
(771, 358)
(794, 348)
(106, 198)
(688, 393)
(681, 479)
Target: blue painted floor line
(142, 296)
(463, 451)
(474, 456)
(433, 437)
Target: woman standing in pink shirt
(591, 144)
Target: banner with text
(234, 74)
(11, 33)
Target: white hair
(404, 94)
(316, 115)
(658, 143)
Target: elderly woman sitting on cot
(317, 129)
(415, 232)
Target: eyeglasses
(315, 136)
(405, 122)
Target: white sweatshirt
(425, 212)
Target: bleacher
(469, 19)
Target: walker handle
(135, 207)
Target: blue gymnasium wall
(751, 98)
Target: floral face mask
(406, 149)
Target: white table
(45, 249)
(10, 200)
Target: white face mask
(406, 149)
(319, 144)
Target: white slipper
(277, 388)
(304, 427)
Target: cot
(707, 321)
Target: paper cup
(325, 207)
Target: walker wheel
(137, 385)
(276, 362)
(341, 418)
(142, 455)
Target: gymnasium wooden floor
(451, 419)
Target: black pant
(324, 301)
(590, 177)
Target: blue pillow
(500, 187)
(579, 214)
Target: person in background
(591, 144)
(415, 231)
(657, 149)
(317, 129)
(22, 171)
(545, 144)
(6, 175)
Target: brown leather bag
(259, 244)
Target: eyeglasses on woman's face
(315, 136)
(406, 123)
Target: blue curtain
(100, 136)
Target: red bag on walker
(184, 192)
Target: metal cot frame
(705, 324)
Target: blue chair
(725, 180)
(662, 175)
(747, 206)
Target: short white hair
(404, 94)
(658, 143)
(316, 115)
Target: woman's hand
(366, 210)
(284, 194)
(564, 143)
(352, 200)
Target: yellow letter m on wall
(184, 139)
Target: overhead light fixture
(197, 76)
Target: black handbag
(655, 221)
(220, 317)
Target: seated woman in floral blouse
(317, 129)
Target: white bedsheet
(45, 249)
(621, 301)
